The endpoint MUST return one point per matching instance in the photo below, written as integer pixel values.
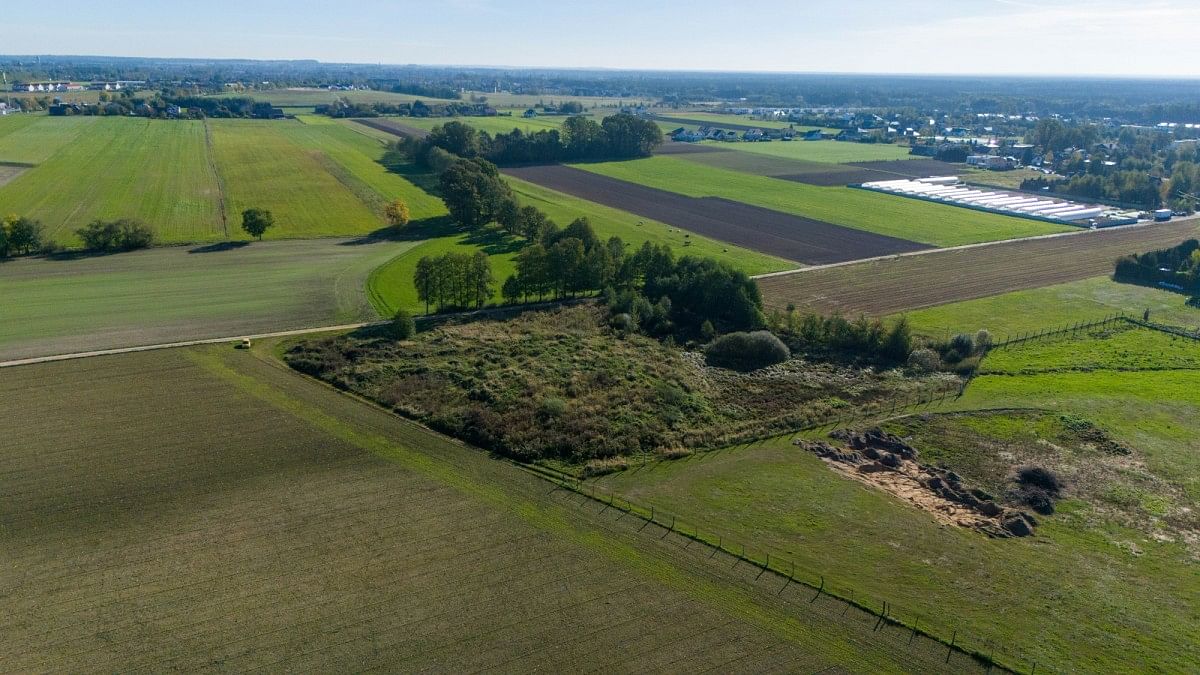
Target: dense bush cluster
(1037, 488)
(747, 351)
(125, 234)
(20, 235)
(1178, 266)
(835, 337)
(619, 136)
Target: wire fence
(960, 651)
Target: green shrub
(747, 351)
(924, 360)
(403, 326)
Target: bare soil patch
(882, 287)
(9, 172)
(787, 236)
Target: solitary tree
(397, 214)
(257, 221)
(24, 235)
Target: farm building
(949, 190)
(47, 86)
(992, 162)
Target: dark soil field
(911, 282)
(391, 126)
(209, 509)
(787, 236)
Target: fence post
(914, 631)
(814, 598)
(950, 651)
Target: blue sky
(1082, 37)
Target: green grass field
(170, 294)
(508, 100)
(1116, 348)
(308, 98)
(112, 168)
(915, 220)
(1053, 307)
(270, 522)
(831, 152)
(317, 179)
(492, 125)
(717, 119)
(266, 166)
(1106, 584)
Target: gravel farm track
(788, 236)
(902, 283)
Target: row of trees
(1178, 266)
(454, 280)
(619, 136)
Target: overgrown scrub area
(565, 386)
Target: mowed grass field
(1101, 594)
(114, 168)
(831, 152)
(318, 180)
(914, 220)
(270, 522)
(309, 98)
(172, 294)
(502, 124)
(1053, 306)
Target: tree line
(620, 136)
(1178, 266)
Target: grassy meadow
(1053, 307)
(113, 168)
(831, 152)
(915, 220)
(304, 530)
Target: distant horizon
(1151, 39)
(613, 69)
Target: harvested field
(670, 147)
(912, 282)
(912, 168)
(392, 127)
(788, 236)
(304, 531)
(179, 293)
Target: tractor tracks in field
(212, 165)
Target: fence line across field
(882, 614)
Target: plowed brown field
(911, 282)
